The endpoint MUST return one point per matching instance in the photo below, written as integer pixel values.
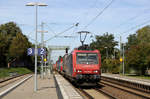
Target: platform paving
(127, 78)
(46, 89)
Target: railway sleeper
(128, 84)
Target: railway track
(113, 91)
(92, 93)
(120, 92)
(7, 81)
(86, 94)
(127, 83)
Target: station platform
(46, 89)
(127, 78)
(52, 86)
(64, 89)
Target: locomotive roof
(86, 51)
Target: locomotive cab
(87, 66)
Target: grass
(141, 77)
(137, 76)
(5, 72)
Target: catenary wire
(136, 26)
(61, 32)
(100, 13)
(132, 18)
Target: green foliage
(10, 29)
(105, 43)
(5, 72)
(138, 53)
(143, 35)
(18, 46)
(132, 40)
(3, 49)
(13, 45)
(111, 65)
(141, 77)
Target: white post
(35, 77)
(36, 51)
(42, 41)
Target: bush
(111, 66)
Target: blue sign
(41, 51)
(31, 51)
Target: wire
(62, 32)
(136, 26)
(92, 6)
(100, 13)
(132, 18)
(81, 19)
(67, 36)
(50, 29)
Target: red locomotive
(82, 66)
(59, 64)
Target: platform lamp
(36, 4)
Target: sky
(119, 19)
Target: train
(82, 66)
(59, 65)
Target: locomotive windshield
(87, 58)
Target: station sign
(31, 51)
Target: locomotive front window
(87, 58)
(92, 58)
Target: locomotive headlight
(95, 71)
(79, 71)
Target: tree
(138, 53)
(18, 46)
(10, 29)
(106, 44)
(13, 44)
(103, 44)
(132, 40)
(7, 31)
(143, 35)
(3, 49)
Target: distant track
(121, 92)
(10, 80)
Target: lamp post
(36, 4)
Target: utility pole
(121, 55)
(114, 53)
(123, 61)
(120, 48)
(106, 52)
(42, 46)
